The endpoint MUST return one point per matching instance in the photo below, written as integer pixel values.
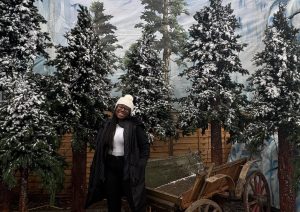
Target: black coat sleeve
(143, 143)
(94, 188)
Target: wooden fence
(159, 149)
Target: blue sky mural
(253, 15)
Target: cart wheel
(204, 205)
(256, 194)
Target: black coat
(136, 153)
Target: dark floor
(229, 206)
(63, 205)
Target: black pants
(116, 187)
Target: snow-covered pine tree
(83, 93)
(213, 97)
(276, 96)
(27, 138)
(21, 36)
(82, 79)
(144, 80)
(162, 17)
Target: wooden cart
(234, 181)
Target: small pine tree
(213, 52)
(144, 80)
(276, 96)
(82, 93)
(27, 138)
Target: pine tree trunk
(287, 195)
(79, 179)
(166, 38)
(23, 192)
(216, 142)
(5, 198)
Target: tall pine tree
(213, 52)
(27, 137)
(83, 93)
(103, 27)
(162, 17)
(144, 80)
(276, 96)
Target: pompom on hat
(126, 100)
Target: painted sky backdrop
(253, 16)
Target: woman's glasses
(124, 108)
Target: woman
(118, 167)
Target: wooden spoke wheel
(204, 205)
(256, 194)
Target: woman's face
(122, 111)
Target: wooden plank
(158, 155)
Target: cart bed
(178, 187)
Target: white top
(118, 143)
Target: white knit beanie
(126, 100)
